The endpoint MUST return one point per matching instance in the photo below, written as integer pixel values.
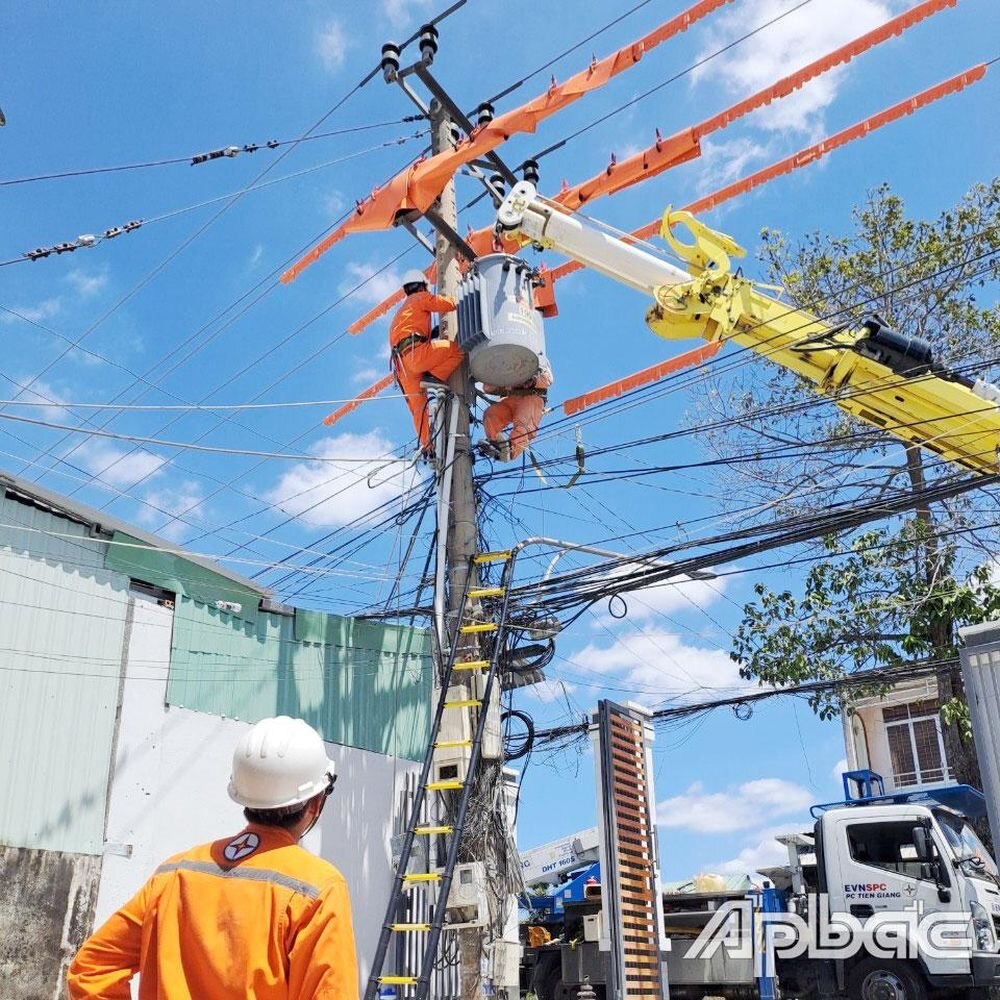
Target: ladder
(416, 983)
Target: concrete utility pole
(462, 523)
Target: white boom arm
(523, 210)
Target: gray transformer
(498, 325)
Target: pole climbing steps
(449, 769)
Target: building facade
(899, 736)
(127, 673)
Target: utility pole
(462, 522)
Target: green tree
(897, 593)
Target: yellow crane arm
(878, 375)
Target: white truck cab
(922, 888)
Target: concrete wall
(46, 911)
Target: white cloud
(780, 49)
(181, 504)
(255, 256)
(723, 162)
(32, 314)
(762, 852)
(838, 769)
(43, 392)
(87, 283)
(399, 13)
(334, 203)
(331, 44)
(365, 375)
(663, 667)
(116, 466)
(329, 493)
(548, 691)
(742, 807)
(375, 287)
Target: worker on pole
(521, 409)
(253, 914)
(417, 359)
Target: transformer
(499, 327)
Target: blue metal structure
(551, 905)
(965, 799)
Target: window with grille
(916, 748)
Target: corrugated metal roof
(372, 692)
(104, 521)
(61, 638)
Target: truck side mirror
(923, 844)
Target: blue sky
(113, 84)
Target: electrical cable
(192, 158)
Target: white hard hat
(414, 277)
(279, 762)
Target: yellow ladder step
(466, 703)
(471, 665)
(432, 831)
(477, 592)
(398, 980)
(479, 627)
(409, 928)
(449, 784)
(451, 744)
(488, 557)
(418, 877)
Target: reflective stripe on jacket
(414, 315)
(252, 917)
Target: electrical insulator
(499, 191)
(86, 240)
(428, 43)
(530, 168)
(484, 113)
(390, 61)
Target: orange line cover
(419, 185)
(652, 374)
(685, 145)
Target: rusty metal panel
(62, 629)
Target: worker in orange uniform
(251, 915)
(521, 409)
(416, 357)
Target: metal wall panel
(62, 626)
(981, 674)
(371, 689)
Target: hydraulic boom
(883, 377)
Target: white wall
(872, 749)
(168, 790)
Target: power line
(89, 241)
(285, 152)
(672, 79)
(226, 152)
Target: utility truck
(887, 897)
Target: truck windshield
(968, 849)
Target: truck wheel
(872, 979)
(547, 978)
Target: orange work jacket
(253, 917)
(414, 315)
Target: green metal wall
(360, 684)
(62, 629)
